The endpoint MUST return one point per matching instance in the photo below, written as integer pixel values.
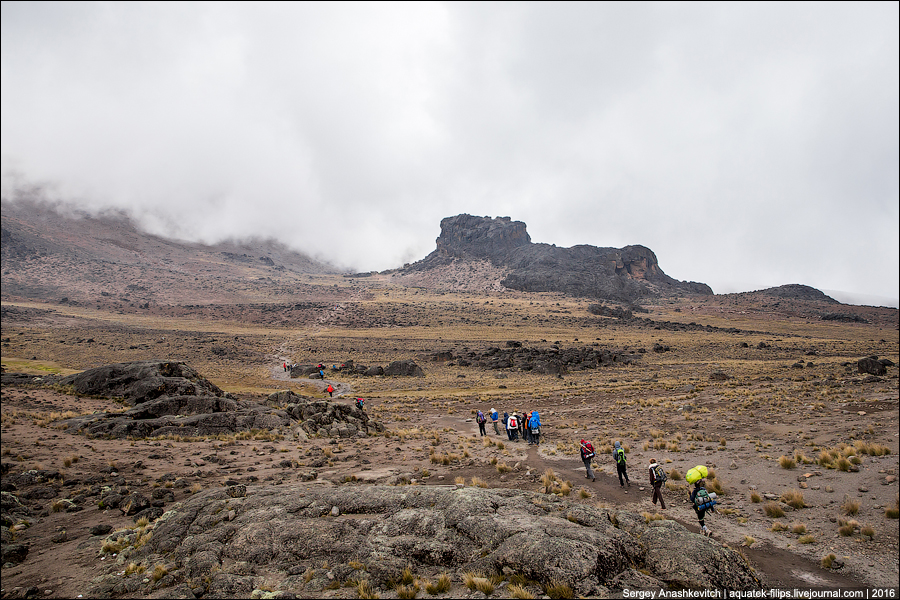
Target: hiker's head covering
(493, 410)
(582, 441)
(618, 445)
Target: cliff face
(465, 236)
(624, 274)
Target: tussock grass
(773, 510)
(847, 528)
(794, 499)
(850, 506)
(519, 592)
(827, 561)
(159, 571)
(648, 516)
(559, 590)
(787, 462)
(407, 592)
(364, 589)
(442, 585)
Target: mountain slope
(49, 253)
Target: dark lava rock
(871, 365)
(623, 274)
(137, 382)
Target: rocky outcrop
(797, 291)
(623, 274)
(278, 535)
(140, 381)
(872, 366)
(399, 368)
(203, 414)
(552, 361)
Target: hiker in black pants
(619, 455)
(657, 479)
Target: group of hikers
(527, 425)
(701, 499)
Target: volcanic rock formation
(624, 274)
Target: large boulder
(871, 365)
(405, 368)
(140, 381)
(285, 531)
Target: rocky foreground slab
(304, 541)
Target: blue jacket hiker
(534, 428)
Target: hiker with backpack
(534, 428)
(657, 479)
(495, 417)
(512, 427)
(480, 419)
(360, 403)
(587, 454)
(619, 456)
(702, 501)
(330, 391)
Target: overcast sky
(747, 145)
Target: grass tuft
(793, 498)
(850, 507)
(441, 586)
(557, 589)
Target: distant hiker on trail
(360, 403)
(481, 420)
(512, 428)
(495, 416)
(285, 366)
(657, 479)
(505, 426)
(587, 454)
(523, 425)
(321, 374)
(534, 428)
(702, 501)
(619, 456)
(330, 391)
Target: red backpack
(588, 450)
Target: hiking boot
(593, 479)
